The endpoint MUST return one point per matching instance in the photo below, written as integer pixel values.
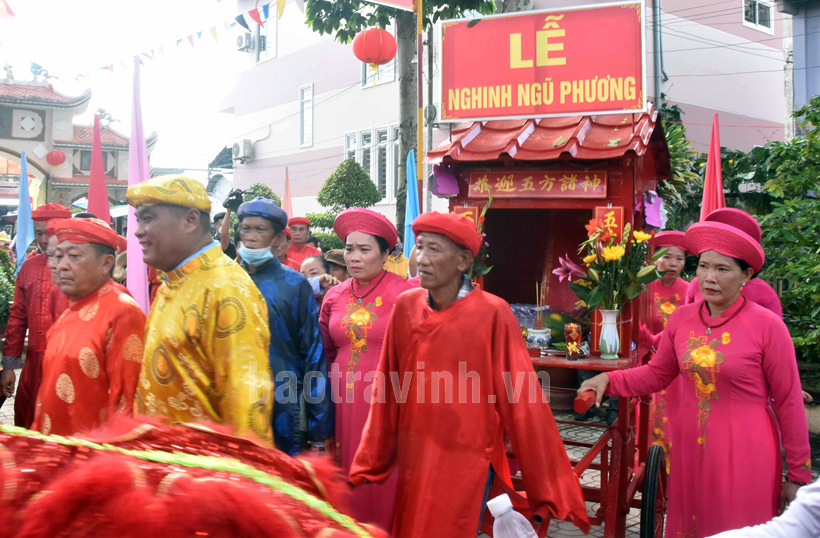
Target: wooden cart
(547, 179)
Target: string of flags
(251, 19)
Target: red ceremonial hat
(80, 231)
(122, 244)
(670, 239)
(52, 226)
(50, 211)
(737, 218)
(458, 228)
(727, 240)
(288, 233)
(357, 219)
(299, 221)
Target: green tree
(346, 18)
(257, 189)
(348, 186)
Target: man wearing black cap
(297, 356)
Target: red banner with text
(534, 184)
(574, 61)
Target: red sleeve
(18, 313)
(378, 449)
(123, 358)
(690, 292)
(657, 374)
(324, 325)
(780, 367)
(549, 480)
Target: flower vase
(610, 341)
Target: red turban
(357, 219)
(457, 228)
(299, 221)
(52, 226)
(50, 211)
(79, 231)
(670, 239)
(737, 218)
(726, 240)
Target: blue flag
(412, 209)
(265, 12)
(25, 226)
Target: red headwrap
(737, 218)
(50, 211)
(726, 240)
(79, 231)
(457, 228)
(52, 226)
(670, 239)
(299, 221)
(357, 219)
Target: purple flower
(568, 269)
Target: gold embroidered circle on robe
(231, 317)
(132, 349)
(46, 424)
(88, 312)
(161, 366)
(127, 299)
(105, 288)
(259, 421)
(65, 388)
(89, 363)
(192, 324)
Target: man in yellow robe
(207, 336)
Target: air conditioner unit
(242, 150)
(244, 42)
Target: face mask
(254, 256)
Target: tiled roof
(35, 94)
(84, 136)
(581, 137)
(83, 180)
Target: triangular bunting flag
(178, 42)
(88, 76)
(213, 33)
(254, 14)
(241, 20)
(123, 65)
(265, 11)
(199, 35)
(280, 5)
(146, 55)
(191, 40)
(108, 67)
(152, 54)
(162, 51)
(5, 11)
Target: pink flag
(287, 205)
(254, 14)
(713, 197)
(138, 172)
(97, 189)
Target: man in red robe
(299, 249)
(94, 352)
(31, 312)
(446, 439)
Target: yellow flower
(614, 253)
(701, 440)
(378, 301)
(667, 308)
(572, 347)
(640, 237)
(591, 258)
(726, 338)
(704, 356)
(360, 317)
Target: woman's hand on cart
(598, 385)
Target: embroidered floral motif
(664, 306)
(806, 466)
(357, 321)
(703, 361)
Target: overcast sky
(180, 93)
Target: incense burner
(539, 337)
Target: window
(371, 76)
(85, 160)
(367, 147)
(266, 37)
(350, 146)
(758, 14)
(381, 161)
(396, 152)
(306, 116)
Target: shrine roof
(32, 93)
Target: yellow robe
(397, 264)
(206, 348)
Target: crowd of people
(397, 369)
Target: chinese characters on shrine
(581, 60)
(533, 184)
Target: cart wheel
(653, 498)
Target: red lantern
(55, 158)
(374, 46)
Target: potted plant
(616, 272)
